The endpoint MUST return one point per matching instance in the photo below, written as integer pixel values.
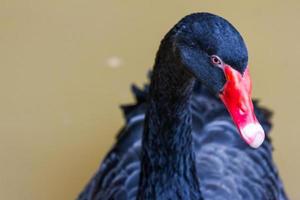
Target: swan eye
(216, 60)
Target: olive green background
(65, 66)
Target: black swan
(180, 142)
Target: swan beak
(236, 95)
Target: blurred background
(66, 66)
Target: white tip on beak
(253, 134)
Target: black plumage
(179, 141)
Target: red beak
(236, 96)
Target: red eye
(216, 60)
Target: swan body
(183, 139)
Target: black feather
(224, 159)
